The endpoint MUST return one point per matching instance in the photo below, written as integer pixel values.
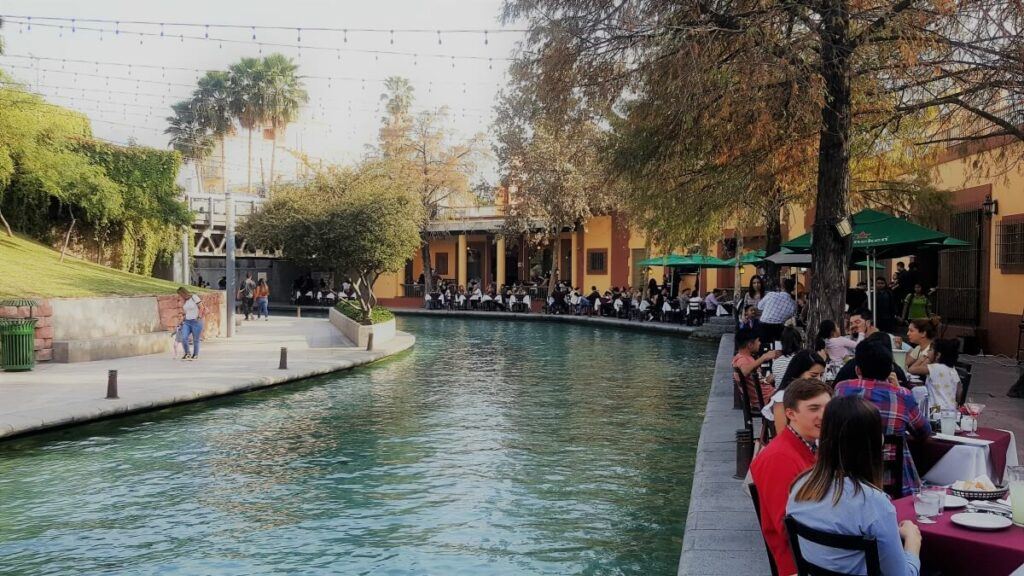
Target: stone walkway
(722, 537)
(55, 395)
(991, 378)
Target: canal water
(490, 448)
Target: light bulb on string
(140, 38)
(453, 62)
(344, 36)
(490, 63)
(486, 42)
(181, 38)
(60, 32)
(207, 33)
(117, 28)
(261, 48)
(29, 23)
(253, 32)
(438, 37)
(339, 55)
(161, 29)
(298, 35)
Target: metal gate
(958, 295)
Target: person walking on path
(245, 292)
(193, 309)
(262, 296)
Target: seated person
(836, 346)
(747, 344)
(877, 384)
(805, 364)
(750, 318)
(849, 370)
(842, 494)
(711, 302)
(938, 366)
(791, 453)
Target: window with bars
(1010, 244)
(597, 261)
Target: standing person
(245, 292)
(193, 310)
(755, 292)
(222, 284)
(262, 297)
(885, 306)
(916, 305)
(791, 453)
(776, 308)
(842, 494)
(857, 298)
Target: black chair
(749, 411)
(893, 469)
(866, 544)
(757, 511)
(963, 370)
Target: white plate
(979, 521)
(955, 501)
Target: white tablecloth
(967, 462)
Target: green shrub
(379, 315)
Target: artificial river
(492, 447)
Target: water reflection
(490, 448)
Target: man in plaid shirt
(900, 413)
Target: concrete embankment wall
(722, 536)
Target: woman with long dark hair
(805, 364)
(842, 494)
(755, 291)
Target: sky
(125, 82)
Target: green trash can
(17, 339)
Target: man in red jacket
(785, 458)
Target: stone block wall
(44, 326)
(169, 308)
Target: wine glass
(974, 410)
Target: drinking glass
(974, 409)
(938, 494)
(947, 422)
(925, 506)
(1015, 478)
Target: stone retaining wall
(169, 309)
(44, 326)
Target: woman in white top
(921, 333)
(941, 377)
(805, 364)
(192, 310)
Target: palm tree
(246, 87)
(189, 136)
(394, 131)
(211, 104)
(283, 95)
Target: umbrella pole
(873, 274)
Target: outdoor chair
(749, 411)
(866, 544)
(757, 511)
(694, 312)
(892, 469)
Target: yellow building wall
(597, 235)
(1006, 291)
(388, 285)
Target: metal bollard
(744, 452)
(298, 312)
(111, 384)
(369, 342)
(283, 365)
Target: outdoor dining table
(943, 460)
(959, 551)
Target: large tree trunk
(7, 226)
(772, 243)
(273, 160)
(556, 249)
(428, 272)
(830, 251)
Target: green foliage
(378, 315)
(52, 173)
(361, 221)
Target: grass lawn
(29, 269)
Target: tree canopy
(360, 221)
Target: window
(441, 263)
(597, 261)
(1010, 244)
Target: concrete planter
(358, 333)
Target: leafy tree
(861, 67)
(419, 150)
(211, 104)
(247, 96)
(283, 96)
(363, 221)
(189, 136)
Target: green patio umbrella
(876, 232)
(748, 258)
(688, 261)
(667, 260)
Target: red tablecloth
(958, 551)
(929, 451)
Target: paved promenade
(55, 395)
(722, 537)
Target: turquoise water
(490, 448)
